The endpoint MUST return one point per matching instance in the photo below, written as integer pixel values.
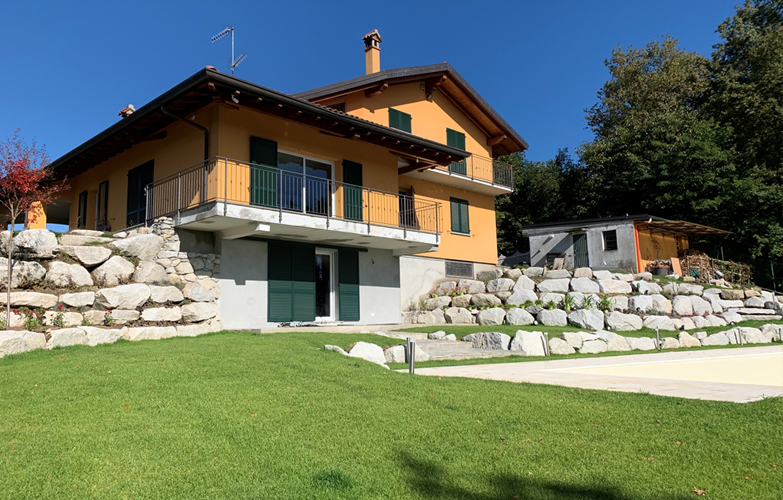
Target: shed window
(610, 240)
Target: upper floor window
(399, 120)
(610, 240)
(459, 216)
(457, 140)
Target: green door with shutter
(352, 177)
(263, 172)
(291, 282)
(457, 140)
(581, 257)
(348, 284)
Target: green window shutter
(352, 174)
(263, 172)
(459, 216)
(280, 284)
(349, 284)
(303, 275)
(457, 140)
(399, 120)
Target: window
(81, 221)
(610, 240)
(102, 208)
(399, 120)
(138, 179)
(456, 140)
(457, 269)
(459, 216)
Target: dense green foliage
(239, 415)
(681, 136)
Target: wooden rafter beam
(414, 167)
(378, 89)
(496, 140)
(434, 83)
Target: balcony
(238, 199)
(475, 173)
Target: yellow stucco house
(340, 204)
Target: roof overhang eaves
(571, 225)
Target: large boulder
(123, 296)
(602, 275)
(198, 293)
(68, 318)
(574, 339)
(553, 317)
(554, 285)
(33, 244)
(114, 271)
(199, 311)
(619, 302)
(88, 256)
(97, 336)
(622, 322)
(493, 316)
(524, 283)
(641, 343)
(150, 272)
(554, 298)
(772, 332)
(397, 354)
(641, 303)
(458, 316)
(72, 239)
(661, 304)
(560, 346)
(557, 273)
(142, 246)
(593, 347)
(578, 300)
(81, 299)
(700, 306)
(461, 300)
(489, 274)
(66, 337)
(446, 287)
(584, 285)
(614, 286)
(615, 342)
(500, 285)
(715, 339)
(682, 305)
(15, 342)
(62, 275)
(485, 299)
(24, 274)
(755, 302)
(149, 333)
(521, 296)
(512, 274)
(33, 300)
(592, 319)
(729, 294)
(627, 277)
(583, 272)
(472, 286)
(686, 340)
(529, 343)
(647, 288)
(660, 322)
(533, 272)
(519, 317)
(670, 343)
(429, 304)
(161, 314)
(163, 294)
(489, 340)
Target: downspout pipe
(192, 124)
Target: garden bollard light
(657, 340)
(411, 347)
(546, 344)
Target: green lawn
(238, 415)
(555, 331)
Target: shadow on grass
(432, 481)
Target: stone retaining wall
(589, 299)
(89, 288)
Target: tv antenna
(234, 62)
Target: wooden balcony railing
(235, 182)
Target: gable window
(138, 179)
(459, 216)
(102, 208)
(81, 221)
(456, 140)
(610, 240)
(399, 120)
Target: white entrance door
(325, 284)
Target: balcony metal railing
(481, 168)
(235, 182)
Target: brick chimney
(372, 51)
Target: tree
(24, 181)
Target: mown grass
(555, 331)
(238, 415)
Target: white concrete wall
(624, 258)
(243, 285)
(379, 288)
(418, 276)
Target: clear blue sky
(69, 67)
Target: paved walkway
(737, 375)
